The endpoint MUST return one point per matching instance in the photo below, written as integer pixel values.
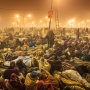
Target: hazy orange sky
(67, 9)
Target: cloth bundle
(65, 81)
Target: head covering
(13, 75)
(34, 74)
(12, 65)
(14, 83)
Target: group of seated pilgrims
(63, 67)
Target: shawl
(30, 83)
(44, 86)
(53, 81)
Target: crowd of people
(33, 62)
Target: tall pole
(51, 3)
(50, 18)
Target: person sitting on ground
(44, 64)
(13, 83)
(11, 69)
(46, 79)
(20, 64)
(31, 80)
(54, 62)
(13, 66)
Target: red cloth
(12, 84)
(15, 85)
(13, 75)
(44, 86)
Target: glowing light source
(17, 16)
(29, 15)
(13, 23)
(46, 17)
(40, 21)
(78, 24)
(82, 22)
(88, 21)
(18, 20)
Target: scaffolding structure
(56, 19)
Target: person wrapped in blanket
(36, 80)
(11, 69)
(44, 64)
(47, 81)
(59, 65)
(21, 66)
(71, 80)
(13, 83)
(54, 62)
(31, 80)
